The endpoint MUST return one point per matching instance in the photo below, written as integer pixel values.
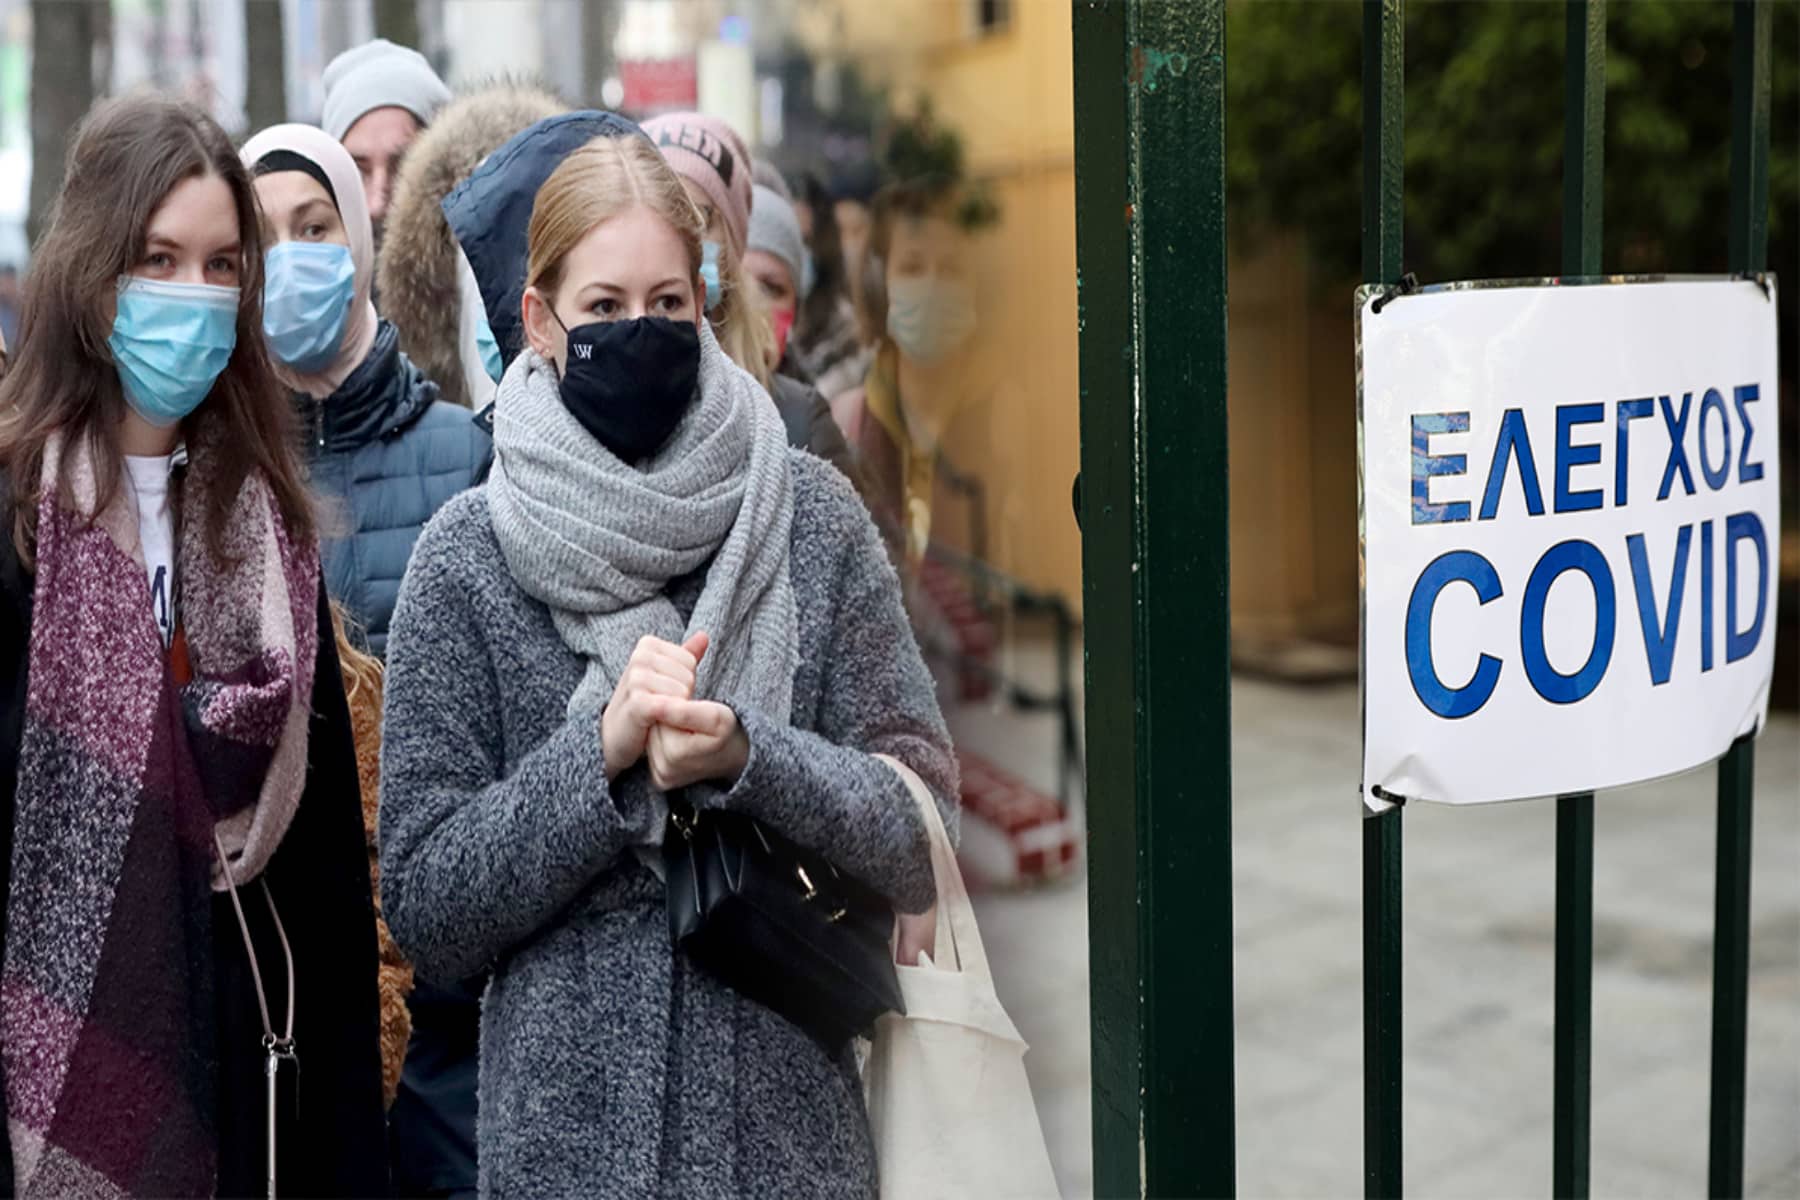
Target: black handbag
(779, 924)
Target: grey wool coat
(610, 1066)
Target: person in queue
(854, 189)
(716, 171)
(704, 611)
(378, 98)
(431, 295)
(382, 449)
(426, 286)
(775, 261)
(827, 337)
(188, 898)
(921, 380)
(775, 258)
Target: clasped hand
(654, 717)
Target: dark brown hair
(912, 200)
(128, 155)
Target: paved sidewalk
(1479, 936)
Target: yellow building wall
(1010, 97)
(1292, 402)
(1291, 396)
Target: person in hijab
(383, 451)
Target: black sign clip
(1409, 283)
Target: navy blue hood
(490, 212)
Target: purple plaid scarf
(106, 998)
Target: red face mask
(784, 324)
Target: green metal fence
(1150, 220)
(1584, 150)
(1150, 216)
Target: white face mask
(930, 319)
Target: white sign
(1571, 521)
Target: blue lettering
(1451, 703)
(1514, 442)
(1425, 465)
(1706, 596)
(1628, 411)
(1659, 636)
(1677, 427)
(1550, 683)
(1746, 393)
(1713, 402)
(1739, 526)
(1567, 456)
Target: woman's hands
(653, 714)
(658, 676)
(701, 740)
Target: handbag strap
(271, 1040)
(955, 915)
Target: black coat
(335, 1145)
(809, 424)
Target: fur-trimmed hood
(416, 273)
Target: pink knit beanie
(709, 152)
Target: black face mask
(629, 383)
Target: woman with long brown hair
(188, 911)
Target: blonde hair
(360, 670)
(611, 175)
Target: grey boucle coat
(609, 1065)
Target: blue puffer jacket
(385, 454)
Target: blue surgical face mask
(308, 288)
(930, 319)
(709, 271)
(489, 348)
(171, 341)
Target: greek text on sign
(1571, 519)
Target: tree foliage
(1484, 130)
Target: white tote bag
(949, 1103)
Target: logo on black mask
(630, 383)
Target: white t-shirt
(148, 478)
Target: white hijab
(324, 152)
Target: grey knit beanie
(379, 74)
(764, 174)
(775, 230)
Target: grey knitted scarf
(598, 541)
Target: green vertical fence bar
(1584, 146)
(1150, 239)
(1749, 251)
(1384, 124)
(1731, 974)
(1574, 993)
